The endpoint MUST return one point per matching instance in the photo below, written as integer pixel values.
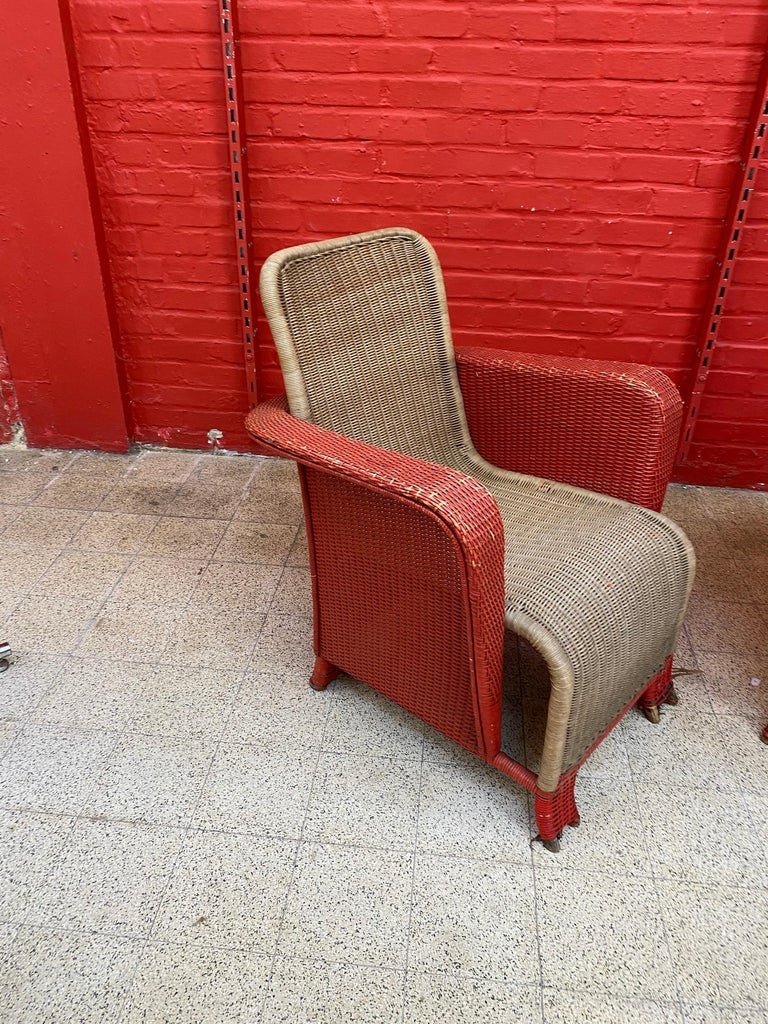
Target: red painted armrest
(608, 427)
(458, 520)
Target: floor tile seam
(294, 865)
(132, 559)
(412, 891)
(531, 826)
(657, 896)
(184, 608)
(186, 831)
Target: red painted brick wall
(569, 160)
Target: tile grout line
(186, 830)
(297, 850)
(406, 972)
(531, 825)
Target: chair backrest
(361, 328)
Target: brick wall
(569, 161)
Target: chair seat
(596, 585)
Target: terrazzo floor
(188, 833)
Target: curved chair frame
(407, 555)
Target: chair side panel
(390, 603)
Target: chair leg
(556, 810)
(323, 673)
(660, 691)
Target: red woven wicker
(407, 554)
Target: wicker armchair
(446, 500)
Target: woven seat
(408, 523)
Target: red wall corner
(54, 316)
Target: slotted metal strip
(756, 138)
(238, 163)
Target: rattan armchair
(448, 498)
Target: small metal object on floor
(5, 654)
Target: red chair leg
(659, 691)
(556, 810)
(764, 734)
(323, 673)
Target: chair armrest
(391, 533)
(605, 426)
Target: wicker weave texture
(598, 586)
(383, 528)
(626, 417)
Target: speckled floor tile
(100, 464)
(227, 891)
(79, 492)
(698, 835)
(725, 626)
(23, 568)
(82, 574)
(257, 791)
(757, 818)
(151, 779)
(8, 513)
(269, 503)
(262, 543)
(161, 580)
(237, 587)
(51, 624)
(8, 733)
(299, 553)
(114, 532)
(140, 497)
(191, 985)
(165, 465)
(472, 811)
(54, 977)
(184, 701)
(9, 602)
(438, 997)
(333, 994)
(21, 488)
(213, 637)
(130, 631)
(686, 746)
(33, 460)
(274, 712)
(602, 933)
(610, 837)
(475, 918)
(364, 802)
(294, 592)
(584, 1008)
(348, 904)
(225, 469)
(718, 938)
(29, 843)
(713, 1015)
(728, 678)
(93, 695)
(748, 756)
(184, 538)
(24, 685)
(206, 501)
(362, 721)
(284, 647)
(52, 769)
(269, 472)
(109, 877)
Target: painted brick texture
(570, 161)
